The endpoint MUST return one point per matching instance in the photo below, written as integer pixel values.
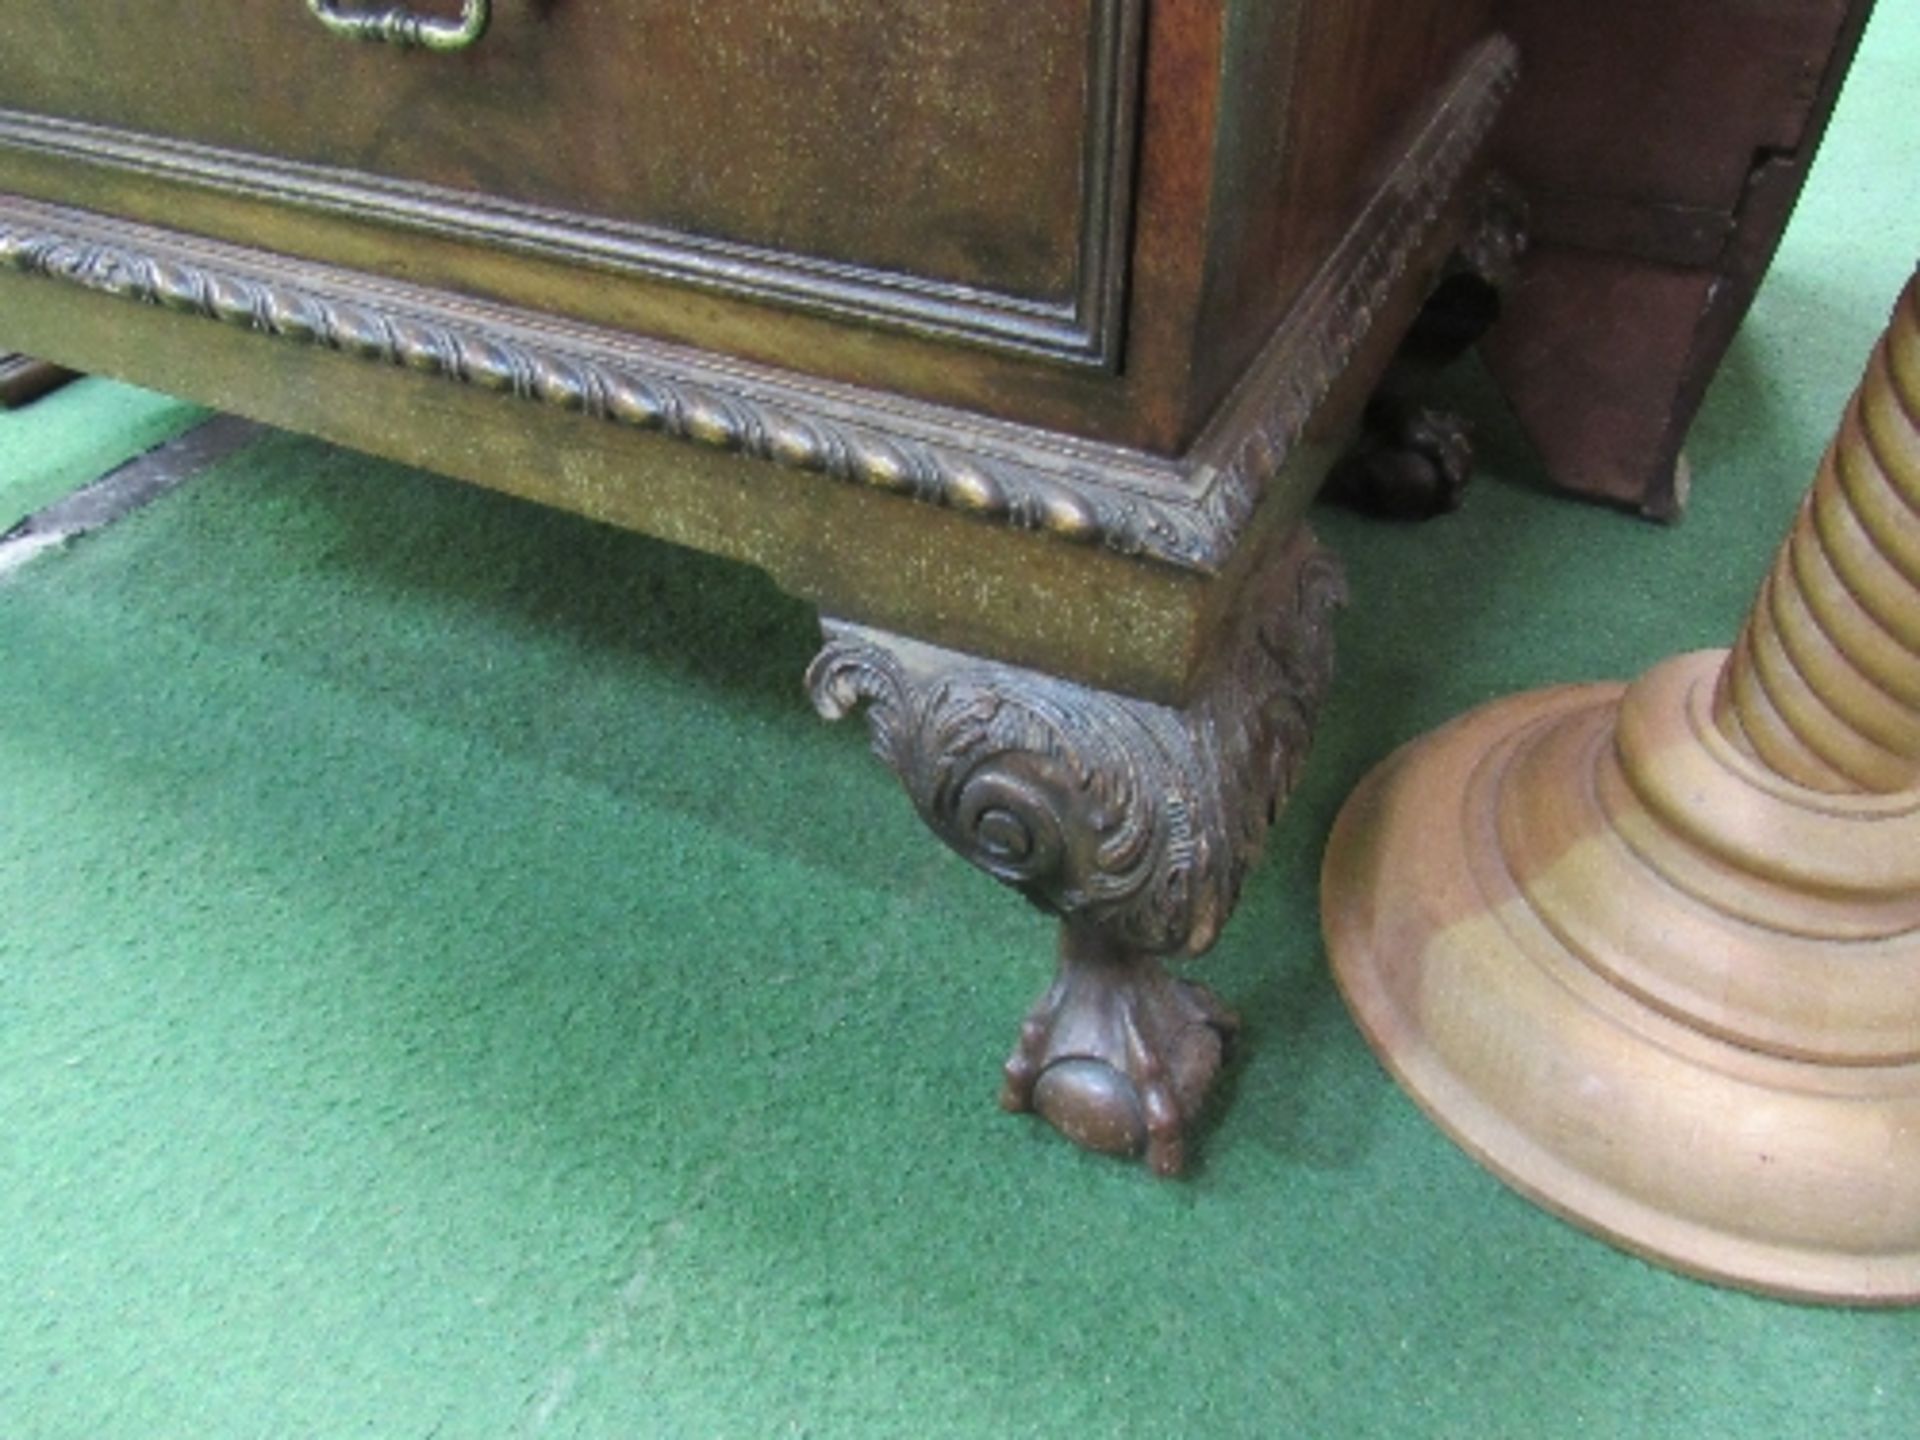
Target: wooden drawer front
(951, 168)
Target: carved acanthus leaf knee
(1136, 818)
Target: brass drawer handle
(400, 26)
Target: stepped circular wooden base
(1653, 987)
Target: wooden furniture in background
(1660, 145)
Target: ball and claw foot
(1412, 462)
(1119, 1054)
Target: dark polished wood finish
(24, 379)
(743, 178)
(1661, 145)
(1015, 337)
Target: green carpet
(451, 985)
(76, 434)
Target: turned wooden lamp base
(1551, 999)
(1652, 953)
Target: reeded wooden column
(1823, 685)
(1652, 953)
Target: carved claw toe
(1445, 441)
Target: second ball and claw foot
(1119, 1053)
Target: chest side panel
(1298, 158)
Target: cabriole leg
(1134, 822)
(1411, 460)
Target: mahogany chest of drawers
(1013, 334)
